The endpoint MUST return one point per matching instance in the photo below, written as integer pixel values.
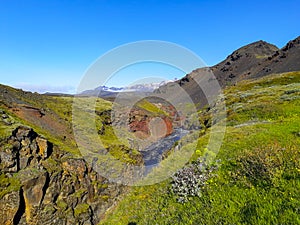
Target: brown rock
(22, 131)
(33, 194)
(53, 190)
(43, 147)
(75, 166)
(9, 207)
(25, 142)
(25, 151)
(8, 161)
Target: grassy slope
(58, 111)
(258, 181)
(151, 108)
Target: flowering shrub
(190, 180)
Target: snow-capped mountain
(104, 91)
(148, 87)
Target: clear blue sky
(47, 44)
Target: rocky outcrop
(33, 184)
(23, 148)
(284, 60)
(41, 184)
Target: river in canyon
(152, 154)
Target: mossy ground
(258, 180)
(8, 184)
(151, 108)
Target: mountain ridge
(254, 60)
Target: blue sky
(48, 45)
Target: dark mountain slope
(251, 61)
(285, 60)
(242, 63)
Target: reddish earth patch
(145, 125)
(46, 120)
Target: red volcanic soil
(145, 125)
(46, 120)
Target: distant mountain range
(105, 92)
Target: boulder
(8, 161)
(43, 147)
(33, 191)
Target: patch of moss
(105, 197)
(5, 129)
(151, 108)
(99, 185)
(80, 193)
(52, 165)
(61, 204)
(8, 184)
(261, 56)
(80, 209)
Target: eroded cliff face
(42, 184)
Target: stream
(152, 155)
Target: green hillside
(255, 178)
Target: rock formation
(47, 185)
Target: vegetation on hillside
(257, 180)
